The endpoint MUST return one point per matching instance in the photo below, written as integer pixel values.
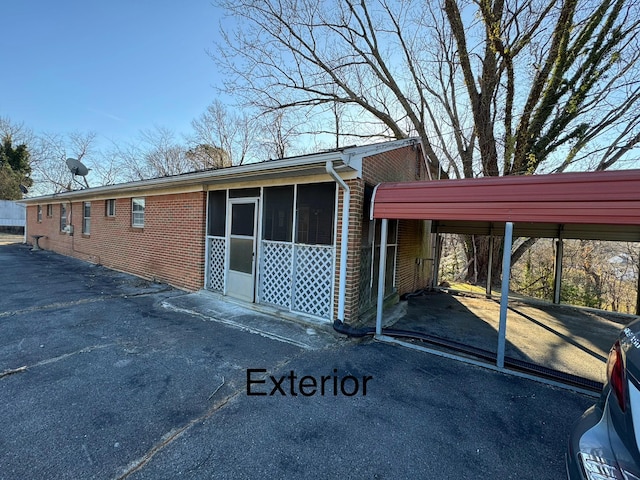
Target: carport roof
(578, 204)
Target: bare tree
(207, 157)
(16, 131)
(491, 87)
(496, 87)
(50, 152)
(155, 153)
(230, 136)
(107, 168)
(278, 134)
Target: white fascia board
(197, 178)
(349, 156)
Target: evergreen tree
(15, 169)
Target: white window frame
(110, 208)
(63, 217)
(86, 219)
(39, 213)
(137, 214)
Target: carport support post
(557, 278)
(490, 266)
(504, 292)
(436, 260)
(381, 274)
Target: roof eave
(294, 166)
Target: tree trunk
(477, 253)
(522, 249)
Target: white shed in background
(12, 214)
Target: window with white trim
(110, 208)
(86, 218)
(63, 216)
(137, 212)
(39, 213)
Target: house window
(49, 210)
(39, 213)
(63, 216)
(315, 210)
(110, 210)
(392, 248)
(86, 218)
(137, 212)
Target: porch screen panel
(278, 214)
(217, 219)
(217, 213)
(276, 256)
(314, 251)
(315, 208)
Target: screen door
(242, 249)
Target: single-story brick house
(269, 233)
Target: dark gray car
(604, 441)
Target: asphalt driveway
(104, 375)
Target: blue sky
(113, 66)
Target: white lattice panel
(313, 279)
(275, 273)
(365, 279)
(215, 275)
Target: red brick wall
(412, 271)
(400, 165)
(170, 247)
(353, 257)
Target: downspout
(26, 223)
(344, 238)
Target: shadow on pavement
(562, 338)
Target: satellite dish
(23, 189)
(77, 168)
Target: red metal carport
(593, 205)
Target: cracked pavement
(108, 376)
